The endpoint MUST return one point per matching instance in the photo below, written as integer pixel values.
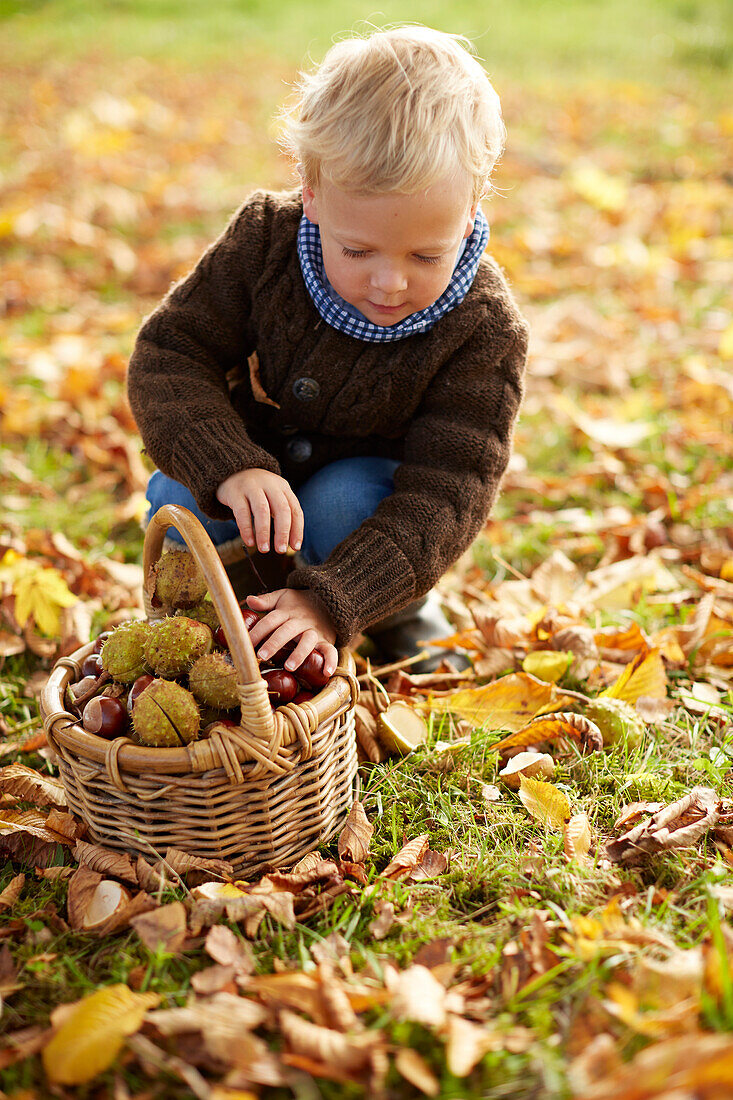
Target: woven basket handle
(257, 717)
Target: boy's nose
(390, 279)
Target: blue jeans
(334, 502)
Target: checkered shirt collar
(311, 264)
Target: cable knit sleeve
(177, 382)
(456, 451)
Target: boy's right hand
(257, 498)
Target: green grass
(529, 39)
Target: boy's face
(391, 255)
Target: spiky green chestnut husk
(213, 680)
(123, 654)
(165, 715)
(178, 581)
(617, 721)
(175, 644)
(203, 612)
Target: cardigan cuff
(211, 453)
(365, 578)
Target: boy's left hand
(293, 613)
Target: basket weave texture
(259, 794)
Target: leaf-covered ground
(562, 934)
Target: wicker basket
(262, 793)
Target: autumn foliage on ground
(532, 894)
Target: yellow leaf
(644, 675)
(506, 704)
(605, 192)
(548, 665)
(92, 1035)
(544, 801)
(40, 595)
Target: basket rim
(63, 728)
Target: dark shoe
(403, 634)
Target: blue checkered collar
(354, 323)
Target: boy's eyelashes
(356, 254)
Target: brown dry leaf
(346, 1054)
(680, 825)
(645, 675)
(12, 892)
(30, 786)
(366, 734)
(22, 1044)
(163, 928)
(407, 858)
(106, 861)
(416, 1070)
(227, 949)
(81, 890)
(353, 842)
(544, 802)
(621, 645)
(577, 837)
(554, 581)
(380, 927)
(214, 979)
(293, 989)
(467, 1043)
(417, 995)
(92, 1035)
(634, 811)
(65, 824)
(337, 1006)
(506, 704)
(183, 863)
(221, 1019)
(430, 866)
(497, 630)
(307, 863)
(152, 879)
(25, 837)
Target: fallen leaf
(408, 857)
(418, 996)
(224, 947)
(506, 704)
(547, 665)
(93, 1033)
(353, 842)
(345, 1054)
(577, 837)
(467, 1043)
(106, 861)
(416, 1070)
(544, 802)
(552, 727)
(644, 675)
(680, 825)
(12, 892)
(30, 786)
(162, 929)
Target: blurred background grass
(524, 39)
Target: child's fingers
(330, 658)
(296, 521)
(307, 643)
(277, 639)
(266, 626)
(261, 515)
(282, 517)
(243, 516)
(266, 600)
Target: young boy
(389, 349)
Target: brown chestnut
(310, 672)
(105, 716)
(282, 686)
(303, 697)
(100, 640)
(137, 689)
(92, 665)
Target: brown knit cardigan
(442, 403)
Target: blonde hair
(394, 111)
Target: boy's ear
(471, 220)
(310, 204)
